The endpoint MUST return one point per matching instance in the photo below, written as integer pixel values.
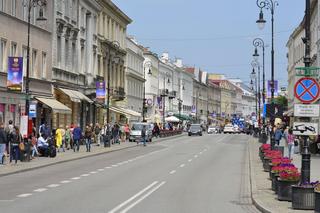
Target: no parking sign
(307, 90)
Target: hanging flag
(100, 90)
(15, 73)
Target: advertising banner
(15, 73)
(100, 90)
(275, 89)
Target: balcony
(118, 94)
(164, 92)
(172, 94)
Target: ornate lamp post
(147, 65)
(253, 82)
(269, 5)
(31, 4)
(164, 97)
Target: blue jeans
(2, 150)
(290, 150)
(14, 153)
(144, 140)
(76, 142)
(88, 144)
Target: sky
(213, 35)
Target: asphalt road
(187, 174)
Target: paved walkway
(262, 195)
(68, 155)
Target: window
(24, 55)
(13, 7)
(3, 44)
(34, 63)
(44, 65)
(13, 50)
(59, 51)
(24, 13)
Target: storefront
(11, 106)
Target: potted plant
(263, 148)
(287, 178)
(269, 155)
(303, 196)
(317, 198)
(276, 162)
(275, 174)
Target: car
(135, 132)
(228, 129)
(236, 129)
(212, 129)
(195, 129)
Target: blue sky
(213, 35)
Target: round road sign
(307, 90)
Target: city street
(185, 174)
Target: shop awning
(75, 96)
(183, 117)
(55, 105)
(117, 110)
(131, 112)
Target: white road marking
(53, 185)
(189, 160)
(107, 167)
(40, 190)
(200, 153)
(24, 195)
(182, 165)
(132, 198)
(172, 172)
(100, 170)
(85, 175)
(126, 162)
(66, 181)
(114, 165)
(75, 178)
(196, 156)
(94, 172)
(143, 197)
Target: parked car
(236, 129)
(195, 129)
(135, 133)
(212, 129)
(228, 129)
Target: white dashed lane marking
(40, 190)
(65, 181)
(189, 160)
(24, 195)
(94, 172)
(196, 156)
(100, 170)
(107, 167)
(182, 165)
(84, 175)
(53, 185)
(172, 172)
(75, 178)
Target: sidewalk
(262, 195)
(69, 155)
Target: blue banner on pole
(15, 73)
(100, 90)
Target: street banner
(24, 126)
(100, 90)
(193, 109)
(275, 89)
(15, 73)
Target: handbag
(21, 146)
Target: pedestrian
(97, 134)
(127, 131)
(290, 141)
(156, 130)
(34, 145)
(77, 135)
(43, 146)
(67, 137)
(59, 138)
(3, 142)
(278, 135)
(88, 136)
(143, 135)
(15, 140)
(72, 126)
(115, 133)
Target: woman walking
(67, 137)
(59, 138)
(16, 140)
(290, 141)
(88, 136)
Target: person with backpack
(3, 142)
(77, 135)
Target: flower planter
(266, 166)
(303, 197)
(274, 183)
(280, 148)
(284, 190)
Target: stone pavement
(68, 155)
(262, 195)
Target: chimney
(179, 63)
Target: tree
(282, 101)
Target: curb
(255, 200)
(81, 157)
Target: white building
(135, 78)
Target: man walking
(77, 134)
(143, 135)
(3, 142)
(97, 134)
(88, 136)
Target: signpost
(305, 128)
(307, 90)
(303, 110)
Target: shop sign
(304, 110)
(100, 90)
(33, 110)
(15, 73)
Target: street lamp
(255, 64)
(147, 65)
(164, 97)
(269, 5)
(258, 42)
(31, 4)
(113, 59)
(253, 76)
